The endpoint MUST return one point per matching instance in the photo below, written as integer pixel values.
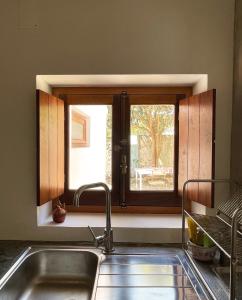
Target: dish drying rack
(224, 229)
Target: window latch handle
(124, 165)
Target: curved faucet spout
(108, 234)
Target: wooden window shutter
(50, 152)
(196, 145)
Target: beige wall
(236, 151)
(99, 37)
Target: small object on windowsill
(59, 212)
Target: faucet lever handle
(92, 232)
(97, 239)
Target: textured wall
(99, 37)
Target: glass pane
(152, 147)
(90, 144)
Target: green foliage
(151, 124)
(147, 119)
(109, 123)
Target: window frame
(93, 201)
(83, 120)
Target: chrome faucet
(107, 238)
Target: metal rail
(231, 230)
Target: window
(132, 147)
(152, 152)
(131, 138)
(90, 160)
(152, 147)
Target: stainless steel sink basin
(63, 274)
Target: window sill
(118, 221)
(128, 228)
(134, 210)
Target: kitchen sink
(63, 274)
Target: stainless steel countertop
(112, 281)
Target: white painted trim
(125, 80)
(44, 213)
(42, 85)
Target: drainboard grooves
(144, 277)
(134, 293)
(143, 281)
(141, 259)
(117, 269)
